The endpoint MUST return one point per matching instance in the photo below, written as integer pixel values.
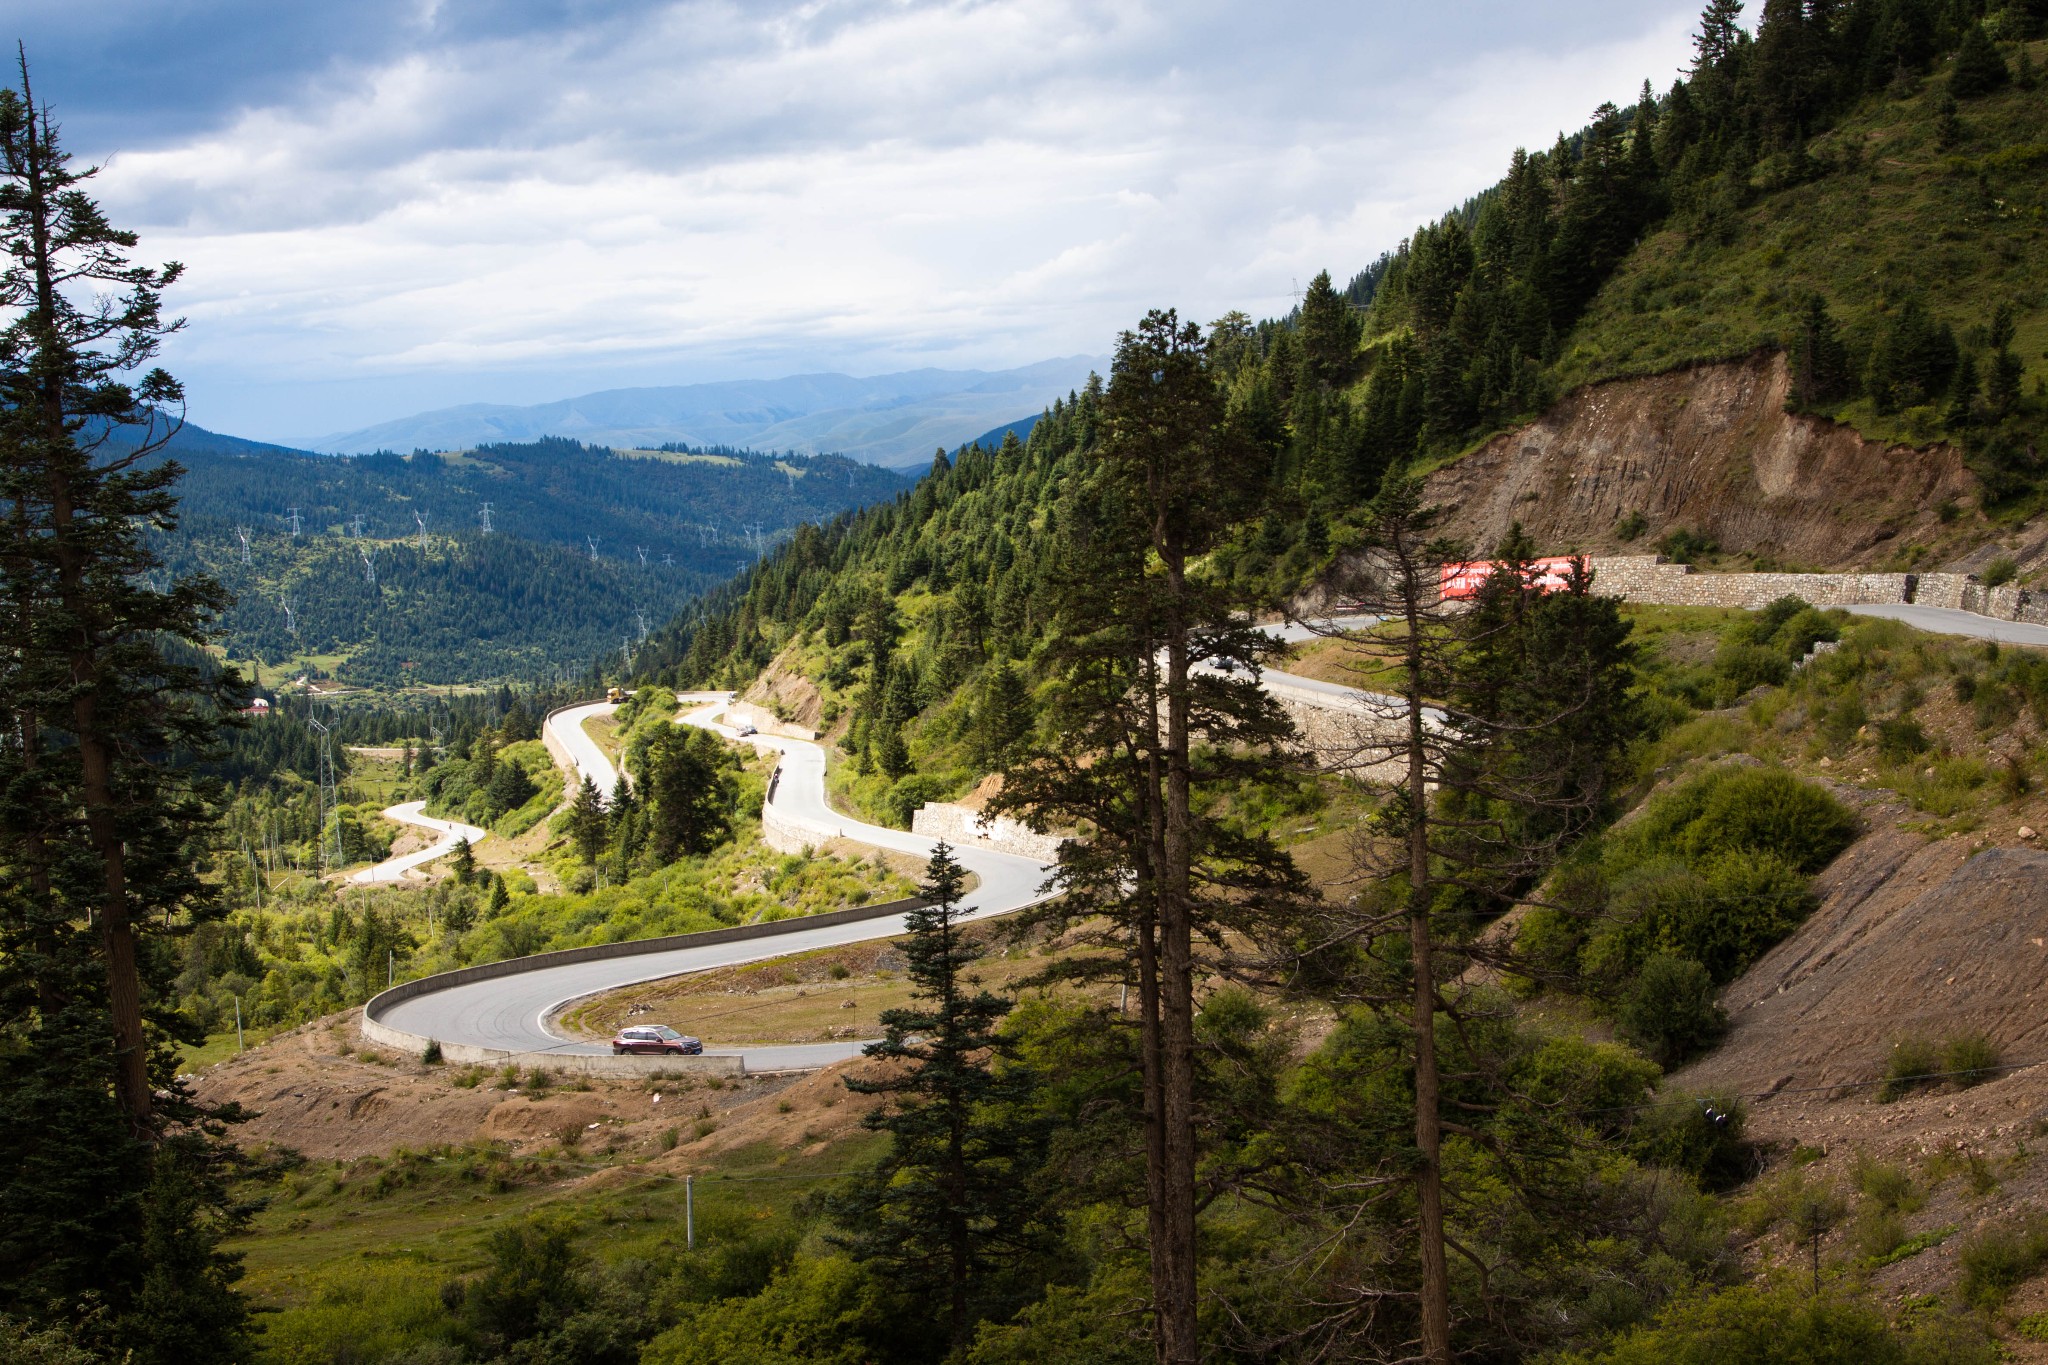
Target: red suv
(656, 1038)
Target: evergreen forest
(393, 579)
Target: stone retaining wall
(559, 752)
(1652, 578)
(786, 833)
(958, 825)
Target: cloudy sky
(392, 205)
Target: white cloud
(711, 189)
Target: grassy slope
(1898, 217)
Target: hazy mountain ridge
(891, 419)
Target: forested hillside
(1856, 183)
(392, 576)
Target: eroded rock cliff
(1709, 449)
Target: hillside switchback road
(512, 1013)
(452, 832)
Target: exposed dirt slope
(321, 1090)
(1710, 449)
(1912, 938)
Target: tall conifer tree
(100, 827)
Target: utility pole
(238, 1023)
(689, 1213)
(328, 798)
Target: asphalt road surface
(1948, 621)
(452, 832)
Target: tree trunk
(95, 754)
(1429, 1189)
(1174, 1259)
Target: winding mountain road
(513, 1013)
(452, 832)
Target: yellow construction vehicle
(615, 695)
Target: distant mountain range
(891, 419)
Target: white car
(744, 728)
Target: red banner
(1462, 581)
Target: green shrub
(2000, 572)
(1769, 811)
(1701, 1135)
(1723, 915)
(1970, 1059)
(1730, 809)
(1670, 1011)
(1889, 1187)
(1912, 1066)
(1900, 740)
(1783, 1325)
(431, 1054)
(1686, 546)
(1748, 666)
(1999, 1258)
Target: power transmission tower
(668, 561)
(626, 653)
(358, 523)
(593, 548)
(641, 550)
(328, 800)
(421, 518)
(293, 517)
(243, 533)
(291, 620)
(369, 565)
(641, 617)
(486, 515)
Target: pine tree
(1507, 717)
(1978, 69)
(1136, 739)
(510, 787)
(100, 820)
(463, 862)
(1002, 717)
(588, 828)
(892, 756)
(951, 1209)
(1720, 34)
(690, 792)
(1820, 362)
